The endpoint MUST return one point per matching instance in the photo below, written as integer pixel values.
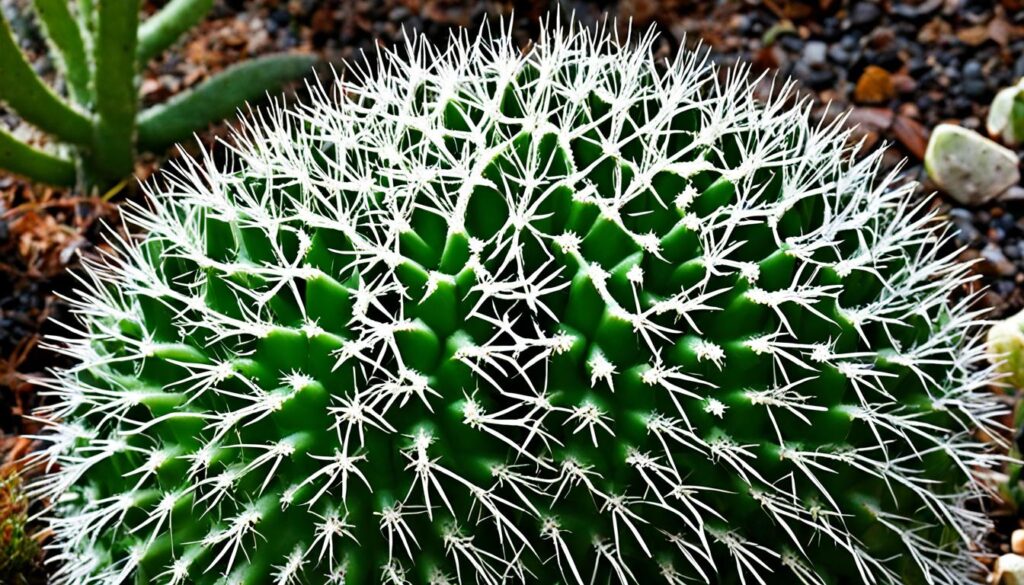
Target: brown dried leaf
(1000, 31)
(791, 9)
(934, 31)
(974, 35)
(875, 119)
(912, 135)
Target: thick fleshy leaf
(160, 30)
(65, 39)
(21, 159)
(217, 98)
(37, 104)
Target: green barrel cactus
(560, 315)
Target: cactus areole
(562, 315)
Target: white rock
(1005, 348)
(969, 167)
(1000, 122)
(1009, 570)
(1017, 541)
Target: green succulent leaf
(1017, 114)
(162, 29)
(22, 159)
(217, 98)
(87, 16)
(25, 93)
(117, 97)
(65, 37)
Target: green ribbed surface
(511, 311)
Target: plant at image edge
(100, 48)
(20, 552)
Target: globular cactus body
(556, 316)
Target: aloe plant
(488, 316)
(100, 47)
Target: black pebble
(791, 43)
(865, 14)
(974, 88)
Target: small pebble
(865, 14)
(995, 257)
(839, 55)
(972, 70)
(1017, 541)
(815, 52)
(1009, 570)
(281, 17)
(874, 86)
(820, 79)
(974, 88)
(969, 167)
(399, 13)
(791, 43)
(1004, 288)
(963, 221)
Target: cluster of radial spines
(487, 315)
